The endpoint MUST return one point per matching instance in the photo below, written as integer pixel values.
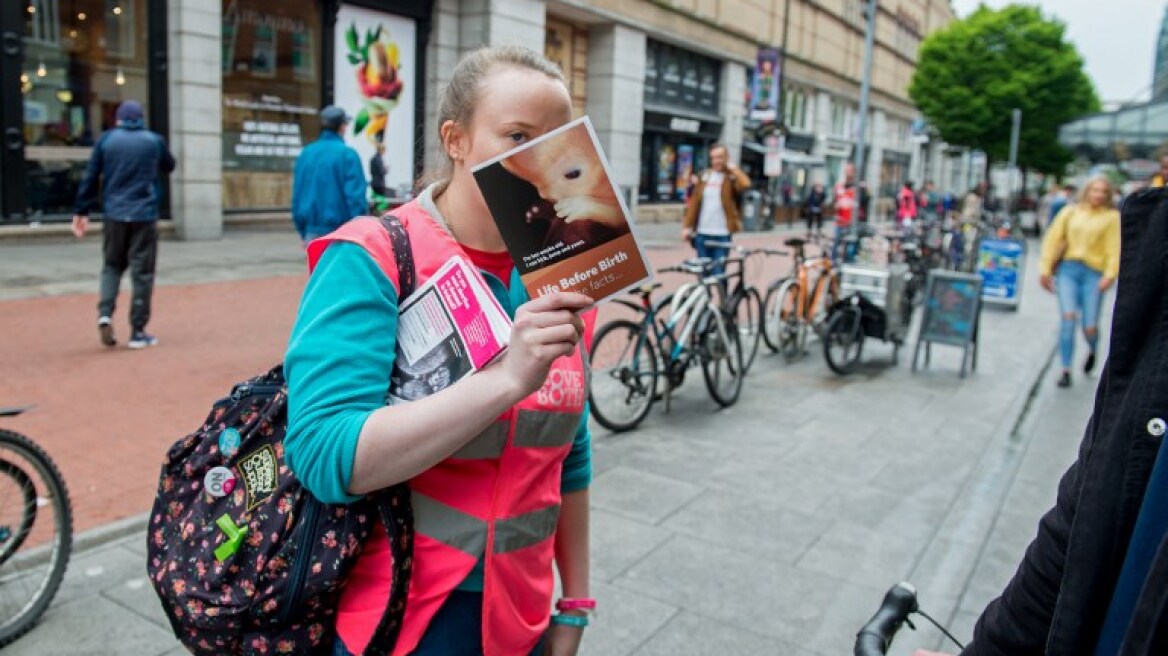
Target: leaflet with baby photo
(562, 216)
(449, 327)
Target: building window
(567, 46)
(82, 58)
(680, 79)
(843, 119)
(796, 108)
(271, 98)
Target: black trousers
(815, 222)
(133, 245)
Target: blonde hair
(1085, 190)
(461, 94)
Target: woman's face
(1098, 193)
(514, 106)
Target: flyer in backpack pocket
(450, 327)
(561, 215)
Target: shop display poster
(562, 216)
(375, 64)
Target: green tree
(973, 73)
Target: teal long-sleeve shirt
(338, 364)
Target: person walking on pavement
(499, 462)
(844, 202)
(813, 208)
(712, 214)
(328, 184)
(906, 206)
(1079, 262)
(1094, 581)
(126, 164)
(377, 172)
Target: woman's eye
(573, 174)
(517, 136)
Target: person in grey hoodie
(128, 161)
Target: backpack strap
(393, 504)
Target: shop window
(271, 98)
(82, 58)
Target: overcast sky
(1116, 38)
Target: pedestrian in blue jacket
(128, 160)
(328, 187)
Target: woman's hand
(1047, 283)
(544, 329)
(562, 640)
(1105, 284)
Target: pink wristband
(576, 604)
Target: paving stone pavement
(774, 526)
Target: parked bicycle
(743, 300)
(36, 531)
(799, 301)
(688, 328)
(896, 610)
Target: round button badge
(229, 441)
(219, 482)
(1157, 427)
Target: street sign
(772, 163)
(1000, 265)
(952, 315)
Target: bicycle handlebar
(876, 636)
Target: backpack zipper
(304, 542)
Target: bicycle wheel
(624, 375)
(783, 328)
(36, 533)
(843, 340)
(748, 320)
(722, 364)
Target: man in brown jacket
(712, 213)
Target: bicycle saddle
(794, 242)
(646, 289)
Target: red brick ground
(107, 416)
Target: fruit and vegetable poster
(376, 57)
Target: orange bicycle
(799, 301)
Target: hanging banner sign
(764, 93)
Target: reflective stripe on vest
(537, 428)
(468, 534)
(487, 444)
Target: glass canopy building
(1132, 137)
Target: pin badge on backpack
(229, 441)
(219, 481)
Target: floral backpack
(243, 558)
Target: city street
(772, 527)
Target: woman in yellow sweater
(1080, 256)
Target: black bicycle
(899, 604)
(36, 531)
(687, 328)
(742, 300)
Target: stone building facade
(234, 86)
